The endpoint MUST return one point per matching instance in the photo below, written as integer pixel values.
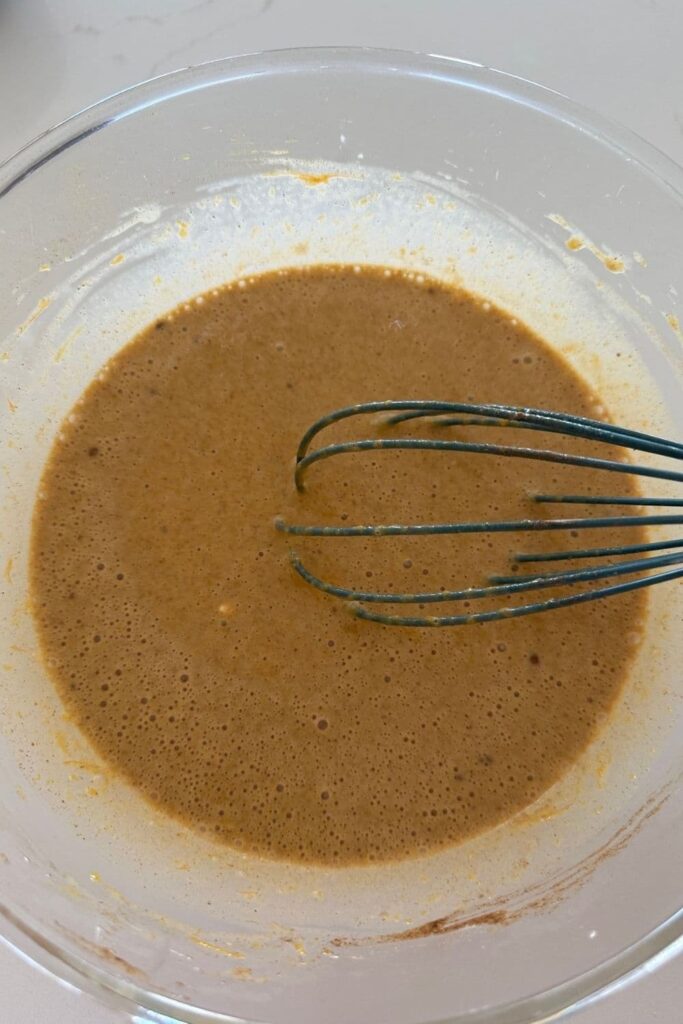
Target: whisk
(454, 414)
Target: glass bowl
(221, 171)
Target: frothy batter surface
(226, 690)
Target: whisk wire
(519, 610)
(561, 556)
(590, 499)
(500, 585)
(497, 415)
(448, 414)
(479, 448)
(507, 526)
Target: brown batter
(229, 692)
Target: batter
(233, 695)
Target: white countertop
(57, 56)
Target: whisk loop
(449, 414)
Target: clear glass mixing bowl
(220, 171)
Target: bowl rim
(664, 941)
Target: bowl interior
(251, 164)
